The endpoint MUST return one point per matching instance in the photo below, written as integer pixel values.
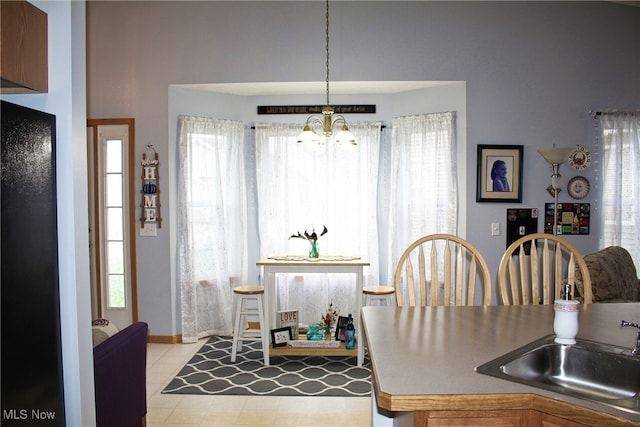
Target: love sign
(288, 318)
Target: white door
(112, 220)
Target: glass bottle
(350, 334)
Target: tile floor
(165, 360)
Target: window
(211, 223)
(362, 193)
(115, 223)
(301, 187)
(620, 133)
(423, 188)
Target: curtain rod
(252, 127)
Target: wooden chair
(538, 277)
(380, 294)
(441, 269)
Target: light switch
(149, 230)
(495, 228)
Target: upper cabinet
(23, 47)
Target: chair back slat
(513, 281)
(449, 270)
(410, 283)
(546, 271)
(433, 279)
(571, 276)
(423, 277)
(446, 299)
(555, 287)
(540, 274)
(533, 290)
(471, 295)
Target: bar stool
(381, 294)
(244, 294)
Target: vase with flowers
(328, 320)
(312, 238)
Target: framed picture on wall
(499, 176)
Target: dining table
(275, 264)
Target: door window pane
(113, 161)
(113, 189)
(115, 224)
(116, 291)
(115, 258)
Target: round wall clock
(578, 187)
(580, 158)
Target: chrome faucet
(636, 350)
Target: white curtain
(212, 217)
(423, 193)
(307, 186)
(620, 134)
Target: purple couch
(120, 365)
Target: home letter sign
(150, 204)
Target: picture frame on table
(499, 173)
(280, 336)
(341, 324)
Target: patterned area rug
(210, 371)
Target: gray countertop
(421, 354)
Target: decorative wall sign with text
(288, 318)
(316, 109)
(150, 203)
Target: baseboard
(165, 339)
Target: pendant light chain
(327, 49)
(328, 120)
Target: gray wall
(533, 71)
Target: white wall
(533, 70)
(66, 99)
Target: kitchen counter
(424, 358)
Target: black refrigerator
(31, 352)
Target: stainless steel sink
(588, 370)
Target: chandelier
(328, 120)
